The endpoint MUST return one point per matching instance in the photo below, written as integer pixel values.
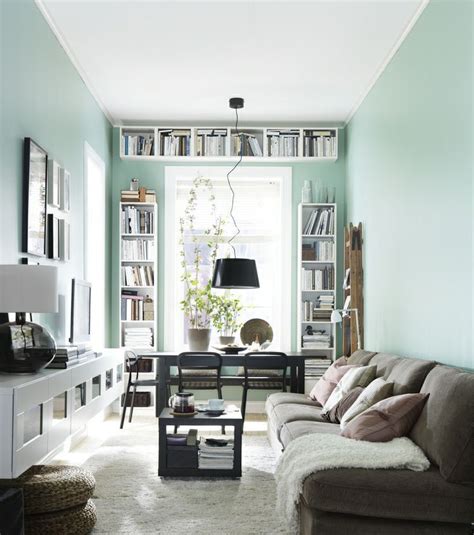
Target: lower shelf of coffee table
(198, 472)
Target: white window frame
(172, 175)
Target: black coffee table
(229, 418)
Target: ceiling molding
(74, 61)
(388, 59)
(229, 124)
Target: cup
(216, 404)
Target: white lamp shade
(28, 288)
(336, 316)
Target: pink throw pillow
(324, 387)
(388, 419)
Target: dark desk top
(201, 418)
(291, 354)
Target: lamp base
(25, 347)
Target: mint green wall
(409, 180)
(43, 97)
(151, 174)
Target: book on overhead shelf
(211, 142)
(175, 142)
(247, 143)
(283, 142)
(320, 143)
(138, 144)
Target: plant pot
(226, 340)
(199, 339)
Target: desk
(168, 359)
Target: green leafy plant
(198, 303)
(226, 313)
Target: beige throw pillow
(376, 391)
(361, 376)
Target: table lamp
(337, 315)
(26, 347)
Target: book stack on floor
(216, 454)
(67, 356)
(315, 368)
(317, 341)
(139, 337)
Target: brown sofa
(392, 502)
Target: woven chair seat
(78, 520)
(204, 385)
(199, 373)
(263, 384)
(54, 488)
(259, 373)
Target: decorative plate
(230, 350)
(256, 330)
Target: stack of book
(317, 279)
(133, 306)
(211, 142)
(138, 145)
(67, 356)
(137, 276)
(175, 142)
(137, 220)
(283, 142)
(247, 144)
(216, 454)
(320, 223)
(314, 312)
(317, 340)
(137, 196)
(325, 304)
(320, 143)
(138, 249)
(315, 368)
(139, 337)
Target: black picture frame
(35, 198)
(53, 237)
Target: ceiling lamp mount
(235, 273)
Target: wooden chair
(263, 370)
(200, 370)
(132, 365)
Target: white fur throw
(320, 451)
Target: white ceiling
(174, 61)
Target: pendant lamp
(235, 273)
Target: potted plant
(225, 317)
(198, 301)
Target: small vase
(306, 192)
(199, 339)
(226, 340)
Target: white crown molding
(62, 41)
(388, 59)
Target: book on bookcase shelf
(137, 276)
(137, 220)
(320, 223)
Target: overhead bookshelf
(316, 283)
(220, 143)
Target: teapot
(182, 402)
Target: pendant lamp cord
(237, 229)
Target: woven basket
(74, 521)
(54, 488)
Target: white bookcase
(275, 144)
(133, 248)
(316, 252)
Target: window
(94, 241)
(263, 212)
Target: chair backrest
(131, 361)
(199, 360)
(266, 360)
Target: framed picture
(54, 170)
(53, 237)
(64, 240)
(35, 183)
(64, 185)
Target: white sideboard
(39, 412)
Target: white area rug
(131, 498)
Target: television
(80, 312)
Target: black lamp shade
(235, 273)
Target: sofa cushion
(279, 398)
(361, 357)
(291, 412)
(390, 494)
(335, 414)
(324, 387)
(445, 428)
(293, 430)
(408, 375)
(385, 363)
(374, 392)
(388, 419)
(360, 376)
